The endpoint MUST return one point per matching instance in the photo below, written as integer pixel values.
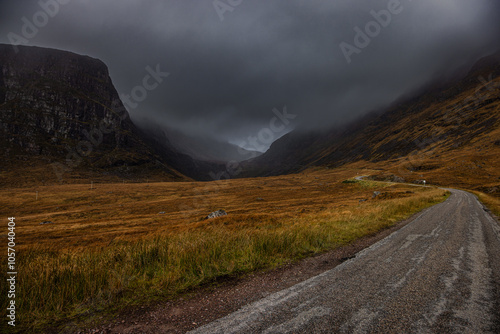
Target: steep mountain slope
(198, 169)
(426, 133)
(61, 120)
(197, 147)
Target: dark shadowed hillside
(198, 147)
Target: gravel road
(438, 274)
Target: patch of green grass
(350, 181)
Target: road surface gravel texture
(438, 274)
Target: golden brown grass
(86, 217)
(109, 246)
(493, 203)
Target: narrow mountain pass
(438, 274)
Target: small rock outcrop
(397, 179)
(216, 214)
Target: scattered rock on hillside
(492, 190)
(215, 214)
(397, 179)
(375, 194)
(388, 178)
(46, 222)
(362, 200)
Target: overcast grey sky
(230, 62)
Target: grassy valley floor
(133, 243)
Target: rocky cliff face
(61, 110)
(54, 95)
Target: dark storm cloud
(226, 76)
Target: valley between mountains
(113, 237)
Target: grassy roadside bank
(61, 285)
(493, 203)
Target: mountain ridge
(62, 121)
(444, 118)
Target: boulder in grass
(375, 194)
(215, 214)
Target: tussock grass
(72, 283)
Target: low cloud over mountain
(230, 63)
